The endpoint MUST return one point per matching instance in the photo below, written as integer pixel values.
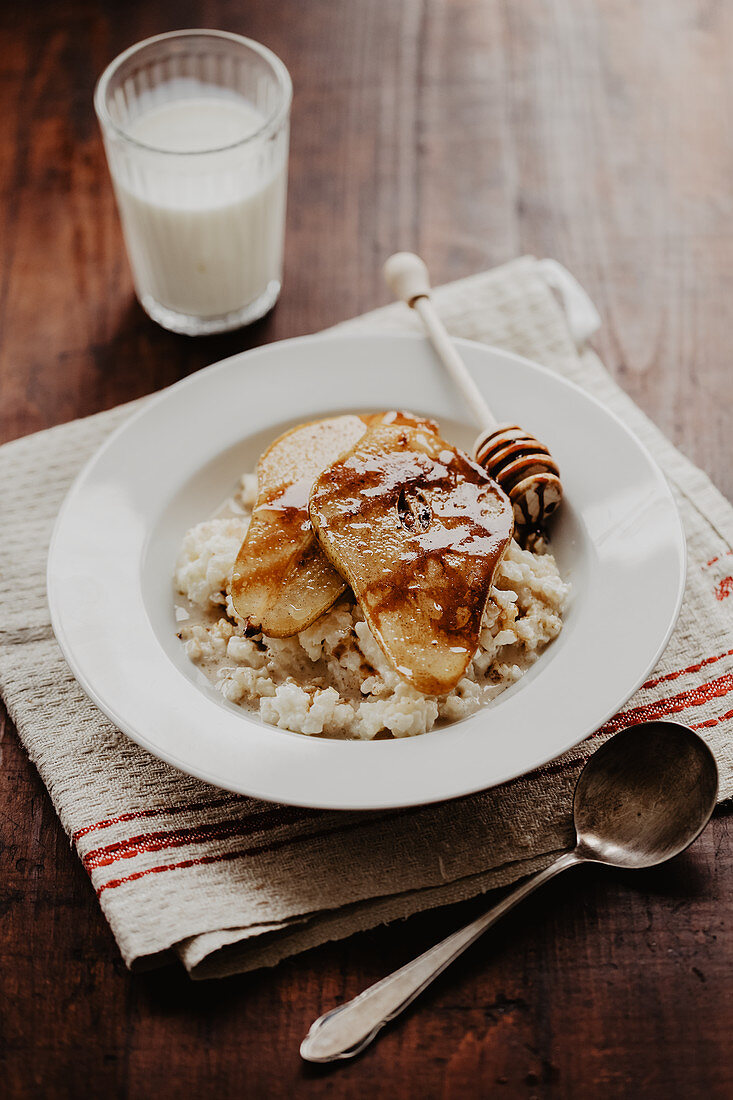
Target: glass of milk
(196, 126)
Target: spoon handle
(347, 1029)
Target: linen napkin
(226, 883)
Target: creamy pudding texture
(332, 679)
(205, 235)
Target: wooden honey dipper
(521, 464)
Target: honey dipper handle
(407, 277)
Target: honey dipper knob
(407, 277)
(526, 471)
(523, 466)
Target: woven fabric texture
(226, 883)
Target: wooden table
(471, 130)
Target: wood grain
(594, 131)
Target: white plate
(618, 539)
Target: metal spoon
(642, 798)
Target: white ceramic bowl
(617, 538)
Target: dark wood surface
(472, 130)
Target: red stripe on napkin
(713, 560)
(695, 697)
(713, 721)
(178, 838)
(253, 849)
(685, 671)
(137, 815)
(221, 857)
(724, 589)
(286, 813)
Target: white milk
(204, 230)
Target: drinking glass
(196, 126)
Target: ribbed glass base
(206, 326)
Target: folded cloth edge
(310, 929)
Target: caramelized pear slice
(282, 581)
(417, 529)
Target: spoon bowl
(645, 795)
